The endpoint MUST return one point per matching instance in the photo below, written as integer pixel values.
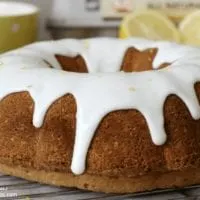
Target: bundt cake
(101, 114)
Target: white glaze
(101, 92)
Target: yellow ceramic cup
(18, 24)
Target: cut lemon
(149, 24)
(190, 28)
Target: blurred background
(93, 18)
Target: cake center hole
(133, 61)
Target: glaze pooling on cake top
(99, 92)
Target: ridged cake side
(121, 148)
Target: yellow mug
(18, 24)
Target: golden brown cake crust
(138, 61)
(147, 182)
(76, 64)
(135, 60)
(121, 148)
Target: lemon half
(149, 24)
(190, 28)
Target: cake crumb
(23, 67)
(132, 89)
(116, 144)
(151, 51)
(165, 69)
(86, 43)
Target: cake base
(108, 184)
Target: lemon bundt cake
(101, 114)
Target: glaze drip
(25, 70)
